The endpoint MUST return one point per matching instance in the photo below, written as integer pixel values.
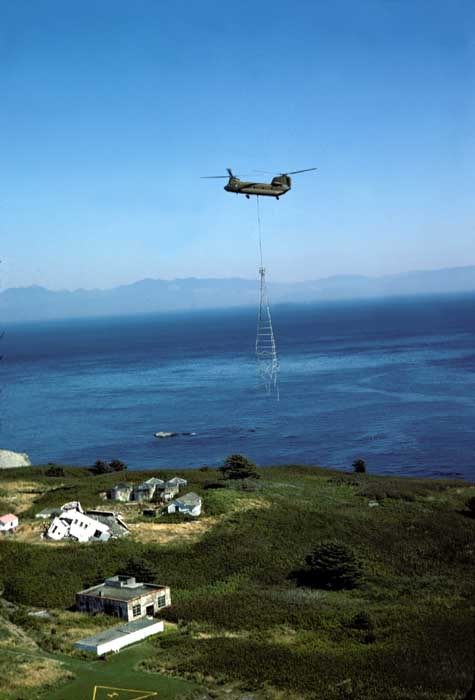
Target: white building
(189, 504)
(177, 481)
(115, 638)
(74, 523)
(8, 522)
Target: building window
(136, 610)
(161, 601)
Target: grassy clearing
(28, 676)
(119, 671)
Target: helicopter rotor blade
(294, 172)
(213, 177)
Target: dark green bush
(332, 565)
(238, 467)
(361, 621)
(471, 504)
(117, 465)
(101, 467)
(359, 466)
(54, 470)
(214, 485)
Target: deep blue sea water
(390, 381)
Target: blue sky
(111, 111)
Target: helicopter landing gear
(277, 198)
(248, 196)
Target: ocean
(389, 381)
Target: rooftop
(112, 520)
(8, 518)
(119, 631)
(154, 481)
(121, 588)
(189, 499)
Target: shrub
(361, 621)
(334, 566)
(359, 466)
(238, 467)
(101, 467)
(471, 504)
(117, 465)
(53, 470)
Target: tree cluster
(101, 467)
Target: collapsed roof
(73, 523)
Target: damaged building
(73, 523)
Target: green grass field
(242, 621)
(119, 671)
(93, 679)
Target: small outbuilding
(168, 493)
(143, 492)
(189, 504)
(8, 522)
(178, 482)
(115, 638)
(155, 482)
(120, 492)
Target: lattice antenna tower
(266, 351)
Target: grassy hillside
(242, 618)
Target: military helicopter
(279, 185)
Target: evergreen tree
(333, 565)
(359, 466)
(238, 467)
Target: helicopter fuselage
(278, 187)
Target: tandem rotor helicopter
(279, 185)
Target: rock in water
(9, 460)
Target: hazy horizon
(194, 293)
(342, 275)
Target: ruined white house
(74, 523)
(8, 522)
(124, 597)
(189, 504)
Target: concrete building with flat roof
(124, 597)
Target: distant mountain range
(149, 295)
